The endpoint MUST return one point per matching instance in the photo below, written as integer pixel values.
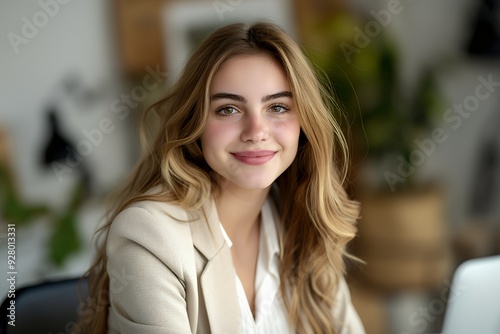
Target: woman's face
(252, 131)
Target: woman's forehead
(259, 73)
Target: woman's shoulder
(150, 235)
(158, 210)
(155, 225)
(152, 212)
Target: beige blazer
(171, 272)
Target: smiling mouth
(254, 154)
(254, 158)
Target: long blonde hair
(318, 218)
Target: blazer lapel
(219, 292)
(218, 277)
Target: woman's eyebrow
(277, 95)
(239, 98)
(220, 96)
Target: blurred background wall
(418, 80)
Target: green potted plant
(382, 120)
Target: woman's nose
(255, 128)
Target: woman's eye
(279, 109)
(227, 111)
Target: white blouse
(270, 312)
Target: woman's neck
(239, 210)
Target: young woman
(235, 220)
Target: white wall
(77, 40)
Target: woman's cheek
(288, 130)
(219, 134)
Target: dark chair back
(47, 308)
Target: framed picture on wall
(188, 23)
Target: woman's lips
(254, 158)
